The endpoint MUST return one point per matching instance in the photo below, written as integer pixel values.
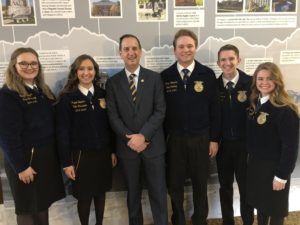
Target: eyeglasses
(25, 65)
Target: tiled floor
(64, 211)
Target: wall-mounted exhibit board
(60, 30)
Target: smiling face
(86, 73)
(185, 50)
(27, 67)
(228, 62)
(264, 82)
(131, 53)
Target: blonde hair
(15, 82)
(278, 97)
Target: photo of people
(229, 6)
(151, 10)
(105, 8)
(180, 3)
(284, 6)
(257, 5)
(18, 12)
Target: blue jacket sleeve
(63, 130)
(11, 128)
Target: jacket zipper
(31, 157)
(78, 161)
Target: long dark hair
(73, 81)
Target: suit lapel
(141, 83)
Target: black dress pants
(263, 219)
(154, 174)
(188, 156)
(232, 161)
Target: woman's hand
(27, 175)
(114, 160)
(70, 172)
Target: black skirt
(260, 192)
(47, 186)
(93, 171)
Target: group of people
(160, 128)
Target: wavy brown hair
(185, 32)
(73, 81)
(278, 97)
(15, 82)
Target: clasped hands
(137, 142)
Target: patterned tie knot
(185, 72)
(132, 76)
(229, 85)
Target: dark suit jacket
(145, 116)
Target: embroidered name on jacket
(171, 86)
(79, 106)
(29, 99)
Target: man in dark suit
(192, 125)
(136, 109)
(234, 88)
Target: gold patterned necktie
(132, 86)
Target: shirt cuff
(280, 180)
